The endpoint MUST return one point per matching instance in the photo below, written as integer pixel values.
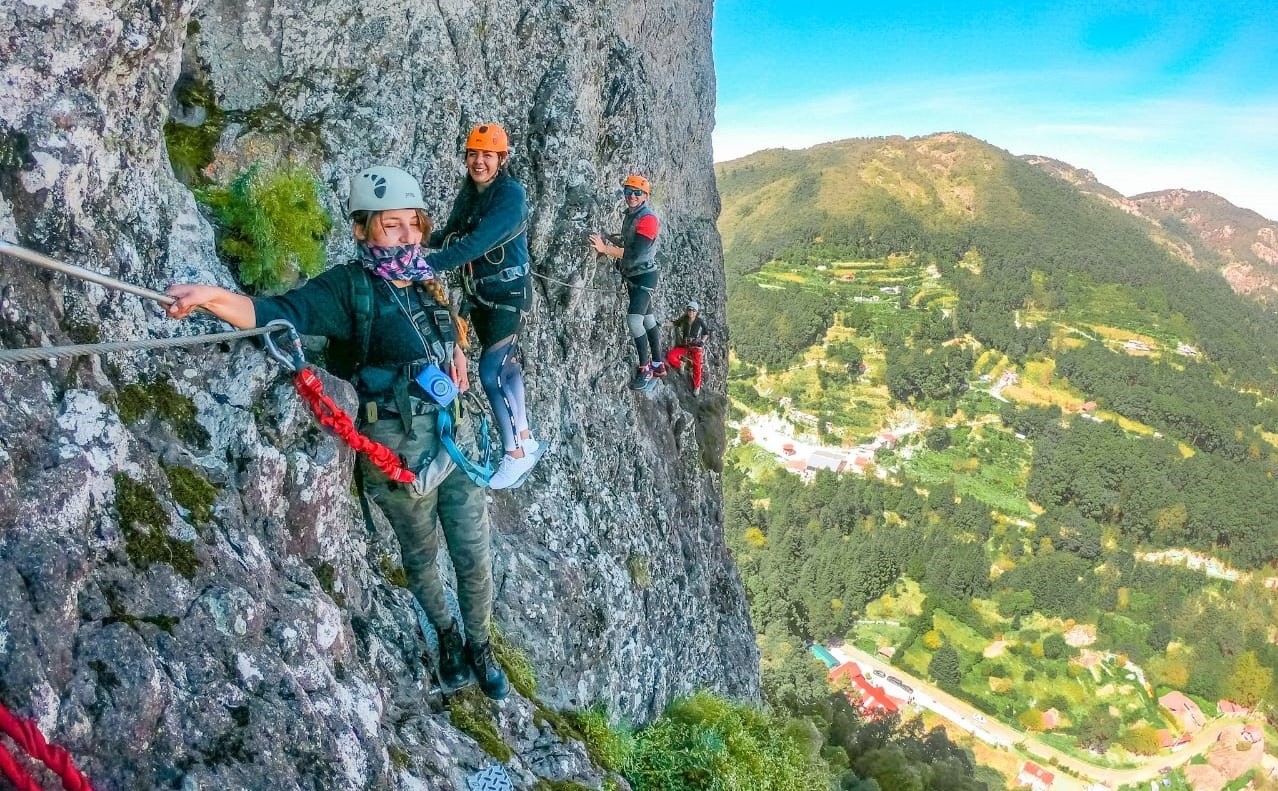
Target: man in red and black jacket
(690, 336)
(636, 250)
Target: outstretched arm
(502, 223)
(235, 309)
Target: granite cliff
(190, 596)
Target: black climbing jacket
(486, 234)
(380, 336)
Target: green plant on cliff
(272, 225)
(609, 746)
(707, 742)
(473, 714)
(191, 147)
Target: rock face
(190, 597)
(1243, 243)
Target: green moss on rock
(193, 492)
(472, 714)
(637, 565)
(143, 522)
(560, 785)
(133, 403)
(326, 575)
(137, 401)
(399, 757)
(191, 147)
(515, 662)
(393, 572)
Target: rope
(83, 349)
(549, 279)
(332, 417)
(27, 736)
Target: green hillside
(1044, 419)
(1044, 243)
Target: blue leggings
(503, 383)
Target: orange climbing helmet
(635, 181)
(488, 137)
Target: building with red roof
(868, 699)
(1190, 716)
(1035, 776)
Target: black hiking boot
(452, 657)
(488, 671)
(643, 377)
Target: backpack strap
(344, 359)
(361, 307)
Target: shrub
(707, 742)
(944, 667)
(272, 225)
(610, 747)
(1055, 647)
(1031, 719)
(1142, 740)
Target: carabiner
(295, 360)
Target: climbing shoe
(512, 470)
(658, 369)
(696, 391)
(452, 657)
(643, 378)
(488, 671)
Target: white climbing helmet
(694, 305)
(381, 188)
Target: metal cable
(549, 279)
(83, 349)
(40, 259)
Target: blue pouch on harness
(437, 385)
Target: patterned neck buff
(403, 262)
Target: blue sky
(1145, 95)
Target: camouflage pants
(457, 508)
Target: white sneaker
(510, 470)
(530, 445)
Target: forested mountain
(1049, 424)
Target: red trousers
(675, 358)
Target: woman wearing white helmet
(387, 335)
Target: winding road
(1001, 735)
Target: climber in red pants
(690, 333)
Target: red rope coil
(27, 736)
(334, 418)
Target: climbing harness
(26, 734)
(508, 275)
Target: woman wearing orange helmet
(637, 258)
(485, 238)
